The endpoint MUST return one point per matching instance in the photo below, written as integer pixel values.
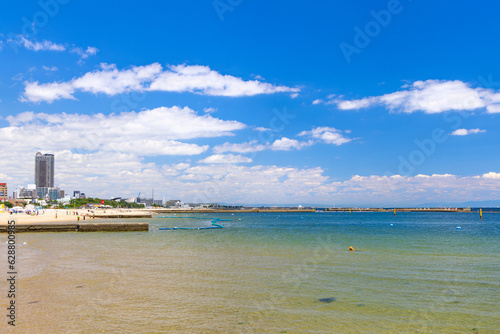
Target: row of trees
(78, 202)
(7, 204)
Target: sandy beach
(61, 215)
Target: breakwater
(78, 227)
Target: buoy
(351, 249)
(481, 213)
(394, 212)
(459, 228)
(349, 211)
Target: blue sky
(352, 103)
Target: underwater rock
(327, 300)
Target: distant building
(149, 201)
(23, 193)
(131, 200)
(173, 202)
(48, 193)
(78, 194)
(44, 170)
(3, 191)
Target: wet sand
(51, 216)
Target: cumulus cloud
(34, 92)
(317, 101)
(465, 132)
(225, 159)
(248, 147)
(282, 144)
(146, 133)
(327, 135)
(287, 144)
(180, 78)
(491, 175)
(430, 96)
(102, 164)
(419, 189)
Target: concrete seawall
(120, 215)
(78, 227)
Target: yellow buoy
(394, 211)
(481, 213)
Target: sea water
(265, 273)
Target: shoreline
(82, 216)
(292, 210)
(79, 216)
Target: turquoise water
(265, 273)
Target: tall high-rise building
(44, 170)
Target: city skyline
(350, 104)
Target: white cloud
(181, 78)
(37, 46)
(124, 173)
(327, 135)
(465, 132)
(49, 92)
(209, 110)
(491, 175)
(147, 133)
(287, 144)
(225, 159)
(430, 96)
(155, 147)
(84, 54)
(413, 190)
(111, 81)
(493, 108)
(50, 68)
(252, 146)
(45, 45)
(203, 80)
(317, 101)
(282, 144)
(261, 129)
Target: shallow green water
(265, 273)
